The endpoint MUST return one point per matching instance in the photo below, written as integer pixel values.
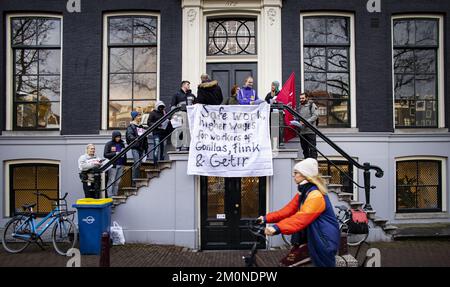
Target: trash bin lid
(93, 201)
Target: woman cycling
(310, 218)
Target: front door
(227, 204)
(229, 74)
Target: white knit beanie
(308, 167)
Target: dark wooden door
(227, 204)
(229, 74)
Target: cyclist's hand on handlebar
(269, 231)
(260, 220)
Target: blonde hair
(89, 145)
(319, 182)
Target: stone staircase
(377, 221)
(147, 174)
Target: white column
(192, 40)
(269, 64)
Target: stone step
(371, 214)
(336, 188)
(128, 191)
(380, 221)
(345, 196)
(326, 178)
(141, 182)
(390, 229)
(119, 199)
(152, 172)
(423, 230)
(356, 204)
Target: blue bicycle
(23, 229)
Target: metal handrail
(379, 172)
(327, 159)
(365, 166)
(136, 162)
(141, 137)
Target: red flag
(287, 96)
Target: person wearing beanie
(140, 147)
(112, 148)
(309, 217)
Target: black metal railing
(98, 171)
(366, 167)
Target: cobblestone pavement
(418, 253)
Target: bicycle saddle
(341, 207)
(28, 206)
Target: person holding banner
(309, 217)
(247, 95)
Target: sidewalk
(417, 253)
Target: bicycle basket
(358, 223)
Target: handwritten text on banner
(230, 141)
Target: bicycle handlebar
(49, 198)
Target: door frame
(263, 203)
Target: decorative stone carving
(271, 14)
(191, 14)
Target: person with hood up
(112, 148)
(139, 148)
(160, 132)
(271, 96)
(209, 92)
(310, 218)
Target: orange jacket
(290, 219)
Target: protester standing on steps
(112, 148)
(232, 99)
(308, 110)
(184, 96)
(87, 162)
(160, 132)
(309, 217)
(209, 92)
(271, 96)
(247, 95)
(139, 148)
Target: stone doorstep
(390, 229)
(380, 221)
(406, 231)
(371, 214)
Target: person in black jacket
(160, 132)
(139, 148)
(112, 148)
(183, 96)
(209, 92)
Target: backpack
(310, 112)
(358, 222)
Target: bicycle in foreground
(24, 228)
(257, 229)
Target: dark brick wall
(373, 53)
(82, 54)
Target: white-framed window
(23, 178)
(130, 66)
(420, 184)
(417, 63)
(34, 69)
(327, 53)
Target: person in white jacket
(86, 162)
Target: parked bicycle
(354, 227)
(23, 228)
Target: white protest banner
(230, 141)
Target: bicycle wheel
(64, 235)
(15, 237)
